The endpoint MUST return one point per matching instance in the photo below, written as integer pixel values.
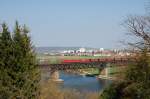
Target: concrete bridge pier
(54, 76)
(105, 72)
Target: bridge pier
(54, 76)
(105, 72)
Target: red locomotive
(66, 61)
(82, 60)
(76, 61)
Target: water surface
(79, 82)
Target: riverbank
(85, 72)
(106, 77)
(50, 90)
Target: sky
(68, 23)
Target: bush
(136, 83)
(50, 90)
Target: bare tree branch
(139, 26)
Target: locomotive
(66, 61)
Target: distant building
(101, 49)
(82, 50)
(96, 52)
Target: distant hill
(57, 49)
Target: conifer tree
(25, 66)
(6, 57)
(6, 46)
(19, 74)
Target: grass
(91, 70)
(50, 90)
(117, 71)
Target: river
(79, 82)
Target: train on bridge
(70, 61)
(65, 61)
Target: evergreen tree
(26, 70)
(5, 62)
(19, 74)
(6, 46)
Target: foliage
(139, 76)
(50, 90)
(19, 75)
(5, 62)
(114, 91)
(136, 83)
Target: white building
(82, 50)
(101, 49)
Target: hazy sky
(92, 23)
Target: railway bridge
(101, 63)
